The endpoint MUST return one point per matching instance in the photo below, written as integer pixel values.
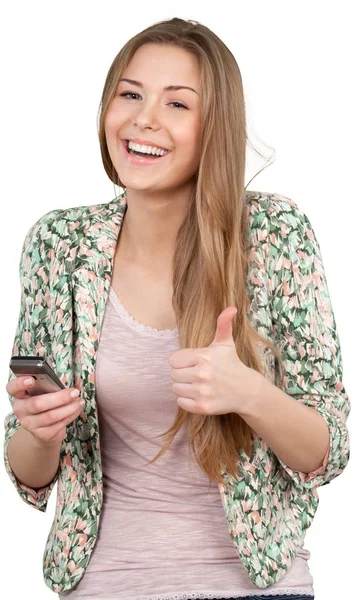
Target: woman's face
(169, 119)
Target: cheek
(112, 122)
(109, 125)
(188, 145)
(193, 145)
(193, 139)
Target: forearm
(296, 433)
(33, 464)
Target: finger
(45, 402)
(17, 386)
(57, 432)
(189, 405)
(185, 390)
(51, 417)
(188, 357)
(51, 433)
(190, 375)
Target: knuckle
(206, 408)
(49, 417)
(34, 404)
(204, 375)
(25, 422)
(16, 408)
(205, 356)
(204, 391)
(12, 388)
(208, 375)
(200, 376)
(17, 413)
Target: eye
(129, 94)
(180, 105)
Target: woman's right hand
(45, 416)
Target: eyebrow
(167, 88)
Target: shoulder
(273, 205)
(61, 223)
(75, 214)
(277, 219)
(60, 232)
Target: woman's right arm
(33, 451)
(35, 466)
(33, 337)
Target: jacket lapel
(91, 281)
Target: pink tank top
(162, 532)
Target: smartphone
(38, 367)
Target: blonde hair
(211, 259)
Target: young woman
(189, 309)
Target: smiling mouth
(144, 154)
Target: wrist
(257, 388)
(39, 444)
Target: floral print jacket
(65, 271)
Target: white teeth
(146, 149)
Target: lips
(142, 160)
(125, 142)
(146, 144)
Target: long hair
(210, 260)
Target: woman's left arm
(303, 421)
(298, 435)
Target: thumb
(223, 333)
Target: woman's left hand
(213, 380)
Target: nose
(144, 117)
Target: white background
(295, 60)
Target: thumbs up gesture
(213, 380)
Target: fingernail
(75, 393)
(82, 402)
(28, 381)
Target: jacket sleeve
(33, 334)
(305, 332)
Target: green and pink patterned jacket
(66, 269)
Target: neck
(150, 226)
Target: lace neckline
(136, 325)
